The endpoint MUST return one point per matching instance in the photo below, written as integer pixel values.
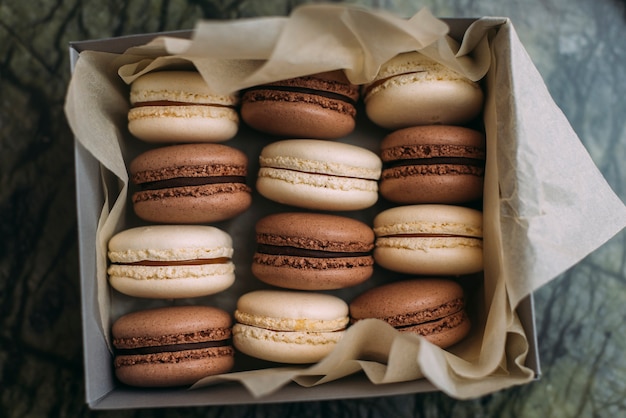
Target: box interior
(102, 391)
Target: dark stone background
(579, 48)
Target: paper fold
(546, 205)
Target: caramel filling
(197, 262)
(418, 235)
(175, 103)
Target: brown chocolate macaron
(432, 308)
(433, 164)
(172, 346)
(190, 183)
(313, 251)
(315, 106)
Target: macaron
(315, 106)
(190, 183)
(412, 89)
(318, 174)
(178, 106)
(288, 326)
(432, 308)
(172, 346)
(433, 164)
(313, 251)
(433, 239)
(171, 261)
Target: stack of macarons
(185, 183)
(328, 229)
(433, 173)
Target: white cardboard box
(102, 390)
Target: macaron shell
(444, 256)
(194, 205)
(317, 231)
(424, 102)
(317, 192)
(322, 157)
(426, 299)
(447, 187)
(323, 274)
(316, 105)
(429, 219)
(299, 119)
(178, 124)
(302, 307)
(178, 160)
(411, 89)
(284, 346)
(171, 282)
(177, 86)
(159, 371)
(169, 243)
(173, 324)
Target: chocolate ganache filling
(303, 90)
(303, 252)
(190, 181)
(171, 348)
(436, 161)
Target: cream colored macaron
(429, 240)
(319, 174)
(178, 106)
(171, 261)
(412, 89)
(289, 326)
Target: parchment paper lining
(546, 205)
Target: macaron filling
(305, 252)
(196, 262)
(307, 89)
(190, 181)
(171, 348)
(176, 103)
(456, 158)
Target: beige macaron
(429, 240)
(171, 261)
(319, 174)
(412, 89)
(289, 326)
(178, 106)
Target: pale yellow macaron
(319, 174)
(178, 106)
(289, 326)
(412, 89)
(171, 261)
(429, 240)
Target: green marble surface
(578, 46)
